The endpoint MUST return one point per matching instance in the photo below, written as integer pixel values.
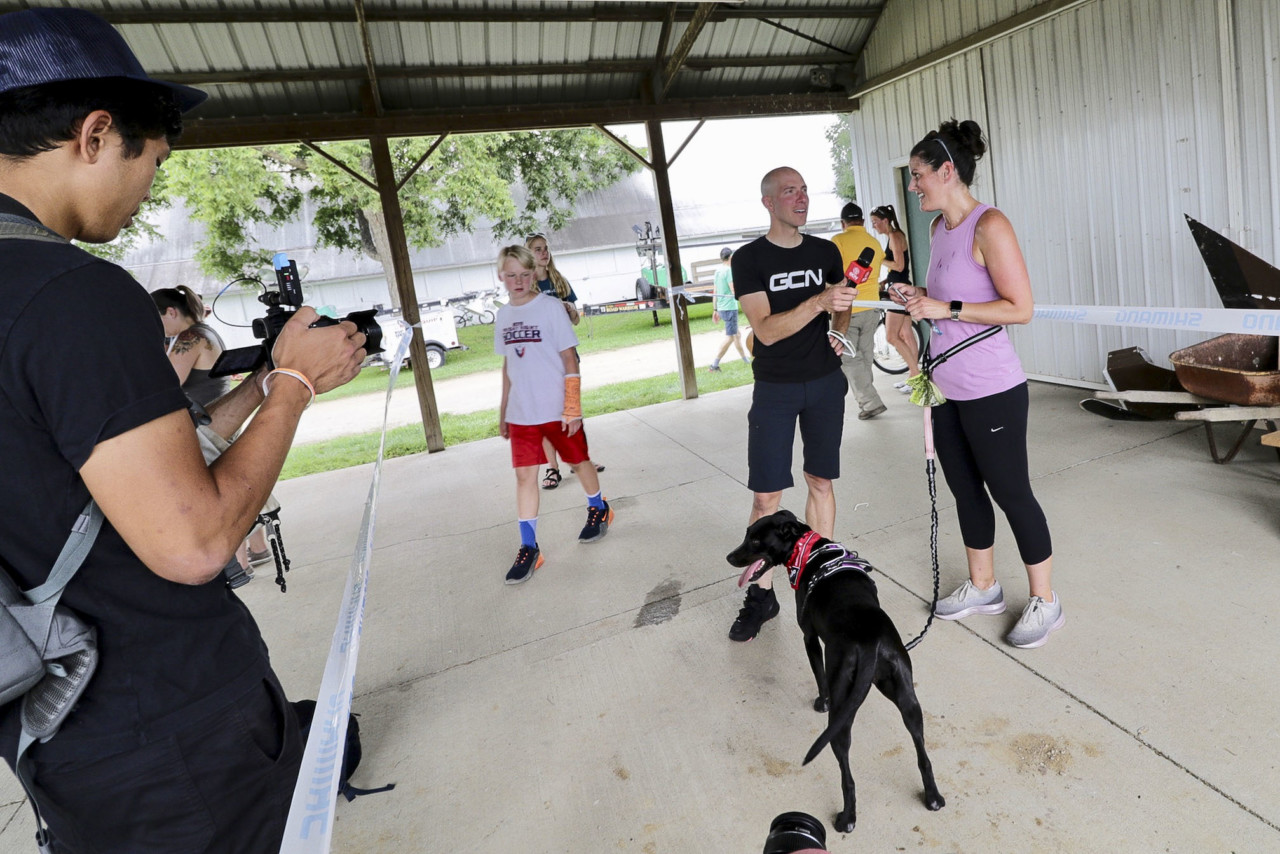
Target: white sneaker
(1038, 620)
(968, 599)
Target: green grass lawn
(363, 448)
(608, 332)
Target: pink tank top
(990, 366)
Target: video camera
(795, 832)
(281, 303)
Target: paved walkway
(474, 392)
(600, 707)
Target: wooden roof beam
(615, 13)
(681, 53)
(216, 133)
(599, 66)
(366, 50)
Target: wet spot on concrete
(661, 604)
(775, 767)
(1040, 754)
(993, 726)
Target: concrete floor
(600, 707)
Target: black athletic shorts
(771, 428)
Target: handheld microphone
(860, 270)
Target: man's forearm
(229, 412)
(775, 327)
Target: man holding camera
(183, 739)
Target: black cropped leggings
(982, 445)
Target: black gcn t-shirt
(789, 277)
(81, 361)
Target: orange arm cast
(573, 396)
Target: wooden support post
(385, 173)
(671, 244)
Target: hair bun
(967, 135)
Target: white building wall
(887, 126)
(1106, 124)
(1257, 53)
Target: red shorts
(526, 444)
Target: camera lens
(794, 831)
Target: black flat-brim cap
(55, 45)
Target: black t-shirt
(789, 277)
(81, 361)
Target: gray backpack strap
(83, 534)
(21, 228)
(70, 648)
(70, 651)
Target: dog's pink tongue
(750, 571)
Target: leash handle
(928, 433)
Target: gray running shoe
(1038, 619)
(970, 600)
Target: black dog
(837, 609)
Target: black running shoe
(598, 519)
(761, 605)
(528, 559)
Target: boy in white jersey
(541, 398)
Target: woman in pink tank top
(977, 279)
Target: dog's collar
(799, 557)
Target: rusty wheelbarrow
(1243, 370)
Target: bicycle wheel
(884, 355)
(487, 317)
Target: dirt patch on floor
(1036, 753)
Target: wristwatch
(956, 305)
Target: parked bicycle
(475, 307)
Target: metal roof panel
(306, 58)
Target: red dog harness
(799, 557)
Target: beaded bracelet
(289, 372)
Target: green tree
(841, 146)
(468, 178)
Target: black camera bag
(306, 710)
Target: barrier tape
(1220, 320)
(309, 829)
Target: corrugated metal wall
(911, 28)
(1257, 27)
(1106, 123)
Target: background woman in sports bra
(978, 279)
(194, 345)
(897, 266)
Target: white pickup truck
(439, 332)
